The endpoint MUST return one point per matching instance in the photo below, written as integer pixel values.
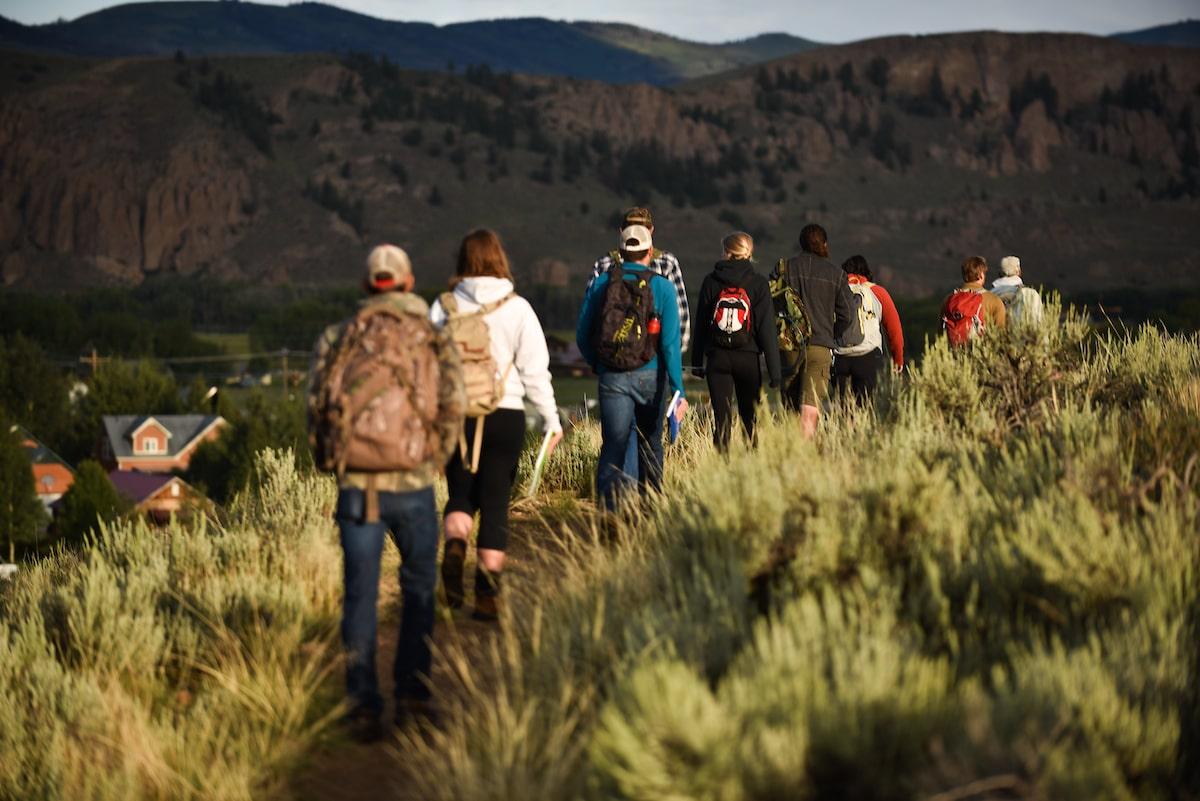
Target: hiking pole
(538, 465)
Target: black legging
(730, 373)
(857, 374)
(487, 491)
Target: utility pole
(283, 354)
(93, 359)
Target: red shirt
(891, 319)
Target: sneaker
(364, 726)
(414, 712)
(453, 557)
(487, 608)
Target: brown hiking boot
(487, 608)
(453, 557)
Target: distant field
(229, 343)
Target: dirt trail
(342, 770)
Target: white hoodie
(516, 338)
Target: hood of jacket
(483, 289)
(733, 273)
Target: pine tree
(91, 500)
(21, 514)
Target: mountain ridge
(588, 50)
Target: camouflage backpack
(791, 320)
(482, 377)
(376, 394)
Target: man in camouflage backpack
(385, 410)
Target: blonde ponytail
(738, 246)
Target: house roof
(37, 451)
(138, 487)
(182, 431)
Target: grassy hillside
(986, 583)
(540, 46)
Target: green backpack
(791, 321)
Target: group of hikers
(403, 392)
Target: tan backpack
(481, 375)
(377, 395)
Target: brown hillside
(1078, 153)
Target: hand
(554, 440)
(897, 368)
(681, 409)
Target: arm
(700, 343)
(598, 269)
(996, 311)
(668, 341)
(531, 360)
(845, 307)
(587, 314)
(765, 334)
(672, 270)
(452, 397)
(437, 314)
(891, 325)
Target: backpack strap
(450, 304)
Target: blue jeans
(631, 408)
(413, 522)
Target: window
(47, 483)
(174, 490)
(151, 445)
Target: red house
(155, 495)
(51, 475)
(155, 443)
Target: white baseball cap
(635, 239)
(388, 265)
(1010, 265)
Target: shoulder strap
(449, 304)
(487, 308)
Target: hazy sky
(721, 20)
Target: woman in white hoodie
(518, 347)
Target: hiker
(829, 305)
(505, 362)
(856, 367)
(666, 265)
(969, 310)
(737, 326)
(385, 406)
(1021, 303)
(629, 332)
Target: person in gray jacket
(831, 309)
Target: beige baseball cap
(636, 238)
(1010, 265)
(387, 266)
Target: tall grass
(987, 583)
(181, 663)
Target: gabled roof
(38, 453)
(138, 487)
(147, 421)
(182, 431)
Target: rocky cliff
(915, 151)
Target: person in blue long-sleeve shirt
(639, 395)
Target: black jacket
(827, 298)
(762, 313)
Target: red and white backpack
(731, 319)
(962, 316)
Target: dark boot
(363, 726)
(453, 556)
(487, 595)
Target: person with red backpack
(737, 327)
(856, 367)
(970, 310)
(505, 362)
(385, 408)
(629, 332)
